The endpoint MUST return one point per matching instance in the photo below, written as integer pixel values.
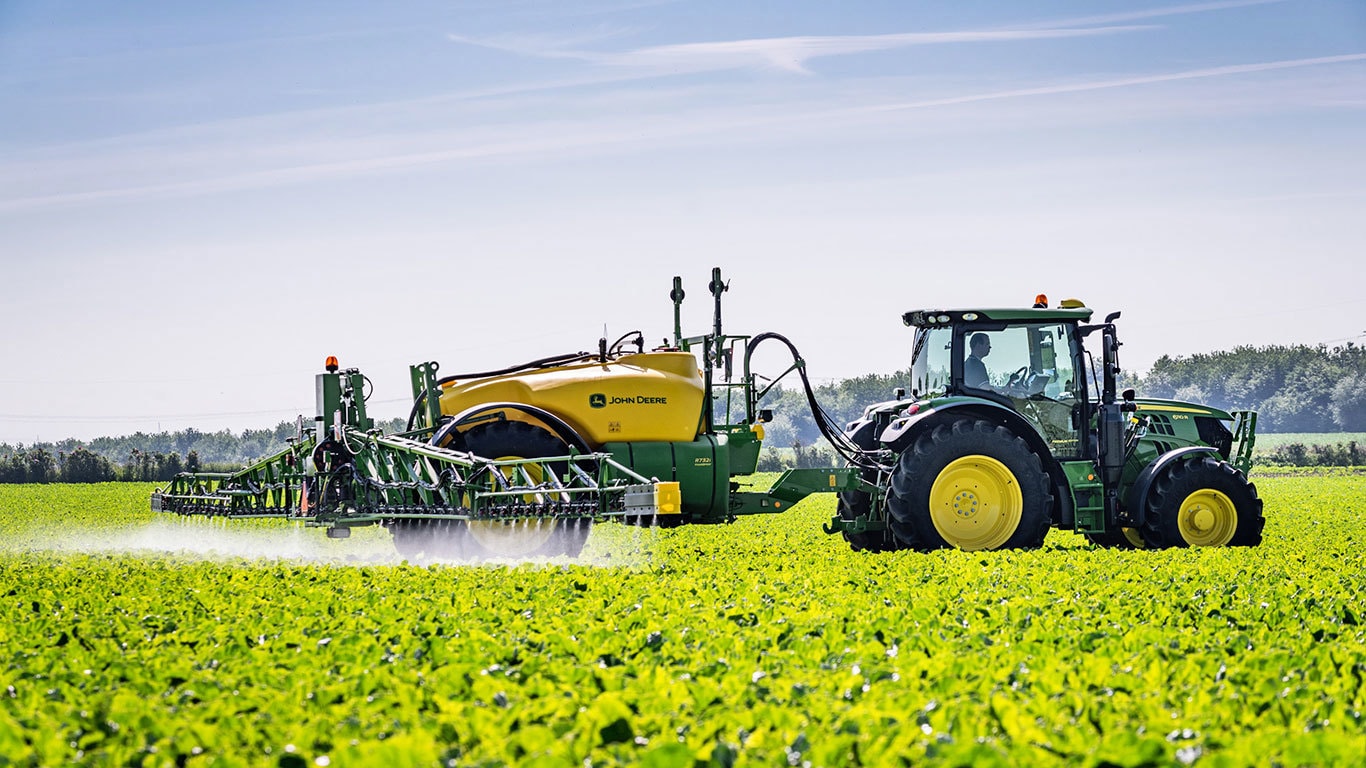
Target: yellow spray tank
(640, 397)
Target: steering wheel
(1016, 380)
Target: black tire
(1202, 501)
(410, 538)
(535, 537)
(983, 467)
(853, 505)
(426, 539)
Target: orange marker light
(331, 364)
(1041, 302)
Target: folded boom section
(354, 478)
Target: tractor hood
(1177, 407)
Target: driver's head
(980, 344)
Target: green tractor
(1012, 427)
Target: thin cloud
(591, 136)
(792, 53)
(1154, 13)
(1124, 82)
(785, 53)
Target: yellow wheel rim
(1135, 538)
(1207, 518)
(514, 538)
(975, 503)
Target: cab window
(1021, 360)
(930, 363)
(1032, 367)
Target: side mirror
(765, 415)
(1129, 405)
(899, 392)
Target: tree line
(1293, 388)
(40, 465)
(144, 457)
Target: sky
(200, 201)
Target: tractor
(521, 461)
(977, 460)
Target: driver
(974, 370)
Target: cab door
(1032, 368)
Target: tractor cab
(1030, 361)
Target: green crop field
(130, 639)
(1267, 441)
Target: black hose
(841, 444)
(635, 336)
(544, 362)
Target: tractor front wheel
(1203, 502)
(1124, 538)
(969, 484)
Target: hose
(545, 362)
(825, 424)
(635, 336)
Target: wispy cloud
(197, 170)
(793, 53)
(1154, 13)
(1125, 82)
(784, 53)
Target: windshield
(930, 365)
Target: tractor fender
(899, 435)
(471, 416)
(1138, 493)
(903, 431)
(864, 429)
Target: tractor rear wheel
(488, 539)
(969, 484)
(1203, 502)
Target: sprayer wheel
(527, 537)
(411, 538)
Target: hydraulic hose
(841, 444)
(544, 362)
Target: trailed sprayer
(523, 460)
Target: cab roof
(930, 318)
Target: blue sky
(198, 202)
